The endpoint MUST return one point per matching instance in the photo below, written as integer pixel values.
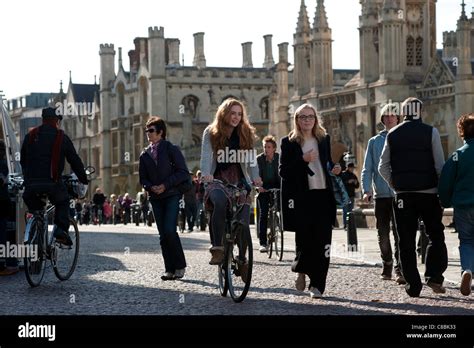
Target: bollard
(351, 232)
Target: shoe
(217, 255)
(386, 276)
(300, 282)
(466, 283)
(168, 276)
(244, 271)
(61, 236)
(179, 273)
(437, 288)
(400, 280)
(314, 292)
(263, 249)
(9, 271)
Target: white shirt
(318, 180)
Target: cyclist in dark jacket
(43, 155)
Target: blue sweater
(371, 179)
(456, 184)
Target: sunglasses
(307, 117)
(150, 130)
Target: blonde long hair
(245, 130)
(318, 131)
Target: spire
(303, 21)
(120, 57)
(463, 13)
(320, 19)
(70, 76)
(61, 87)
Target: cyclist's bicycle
(235, 272)
(275, 233)
(40, 239)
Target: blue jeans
(464, 221)
(165, 211)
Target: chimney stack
(283, 52)
(199, 58)
(247, 55)
(269, 62)
(173, 52)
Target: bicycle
(275, 233)
(235, 272)
(40, 239)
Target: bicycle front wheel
(239, 259)
(63, 257)
(271, 234)
(35, 263)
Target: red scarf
(33, 136)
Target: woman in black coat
(305, 162)
(162, 169)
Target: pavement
(120, 266)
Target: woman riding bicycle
(228, 155)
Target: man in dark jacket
(43, 155)
(268, 170)
(411, 163)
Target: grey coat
(209, 160)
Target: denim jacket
(371, 179)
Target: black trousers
(264, 205)
(57, 195)
(409, 207)
(383, 215)
(314, 216)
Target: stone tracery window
(410, 51)
(419, 51)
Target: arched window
(410, 51)
(191, 104)
(121, 99)
(264, 108)
(419, 51)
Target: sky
(41, 41)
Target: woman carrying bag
(163, 174)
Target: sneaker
(314, 292)
(217, 255)
(263, 249)
(168, 276)
(300, 282)
(386, 276)
(61, 236)
(400, 280)
(437, 288)
(179, 273)
(466, 283)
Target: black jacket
(294, 173)
(170, 169)
(261, 159)
(36, 157)
(411, 156)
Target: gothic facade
(398, 59)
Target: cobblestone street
(119, 273)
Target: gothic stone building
(398, 59)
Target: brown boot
(217, 255)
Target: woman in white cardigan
(227, 154)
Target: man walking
(411, 163)
(374, 187)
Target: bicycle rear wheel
(63, 257)
(278, 236)
(35, 266)
(239, 259)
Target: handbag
(185, 185)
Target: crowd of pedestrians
(404, 174)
